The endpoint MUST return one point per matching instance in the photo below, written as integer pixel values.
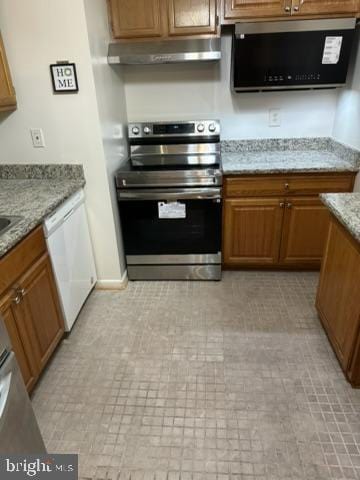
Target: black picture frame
(57, 90)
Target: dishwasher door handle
(170, 194)
(65, 217)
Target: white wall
(36, 34)
(111, 102)
(347, 120)
(203, 90)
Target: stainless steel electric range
(170, 201)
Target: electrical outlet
(274, 117)
(37, 137)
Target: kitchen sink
(7, 222)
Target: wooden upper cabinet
(234, 10)
(306, 225)
(323, 7)
(192, 17)
(252, 231)
(238, 9)
(136, 18)
(7, 91)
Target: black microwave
(291, 55)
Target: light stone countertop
(272, 162)
(32, 199)
(346, 208)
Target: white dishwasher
(68, 239)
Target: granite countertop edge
(346, 208)
(288, 170)
(236, 163)
(21, 229)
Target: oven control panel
(198, 128)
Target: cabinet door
(319, 7)
(306, 225)
(239, 9)
(339, 292)
(7, 92)
(136, 18)
(15, 323)
(252, 231)
(192, 17)
(353, 372)
(42, 309)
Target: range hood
(174, 51)
(292, 55)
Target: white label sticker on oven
(172, 210)
(332, 49)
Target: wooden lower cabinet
(305, 228)
(30, 306)
(282, 232)
(252, 231)
(278, 221)
(338, 298)
(42, 309)
(14, 318)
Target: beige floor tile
(190, 381)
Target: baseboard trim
(113, 284)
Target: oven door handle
(170, 194)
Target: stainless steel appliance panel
(290, 55)
(5, 344)
(190, 154)
(174, 272)
(168, 178)
(170, 194)
(19, 431)
(170, 201)
(190, 259)
(186, 130)
(175, 51)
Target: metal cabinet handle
(287, 9)
(289, 205)
(19, 295)
(16, 299)
(296, 8)
(286, 186)
(282, 204)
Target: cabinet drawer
(275, 185)
(313, 184)
(19, 259)
(255, 186)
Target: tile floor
(202, 381)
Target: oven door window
(198, 232)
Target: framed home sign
(64, 78)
